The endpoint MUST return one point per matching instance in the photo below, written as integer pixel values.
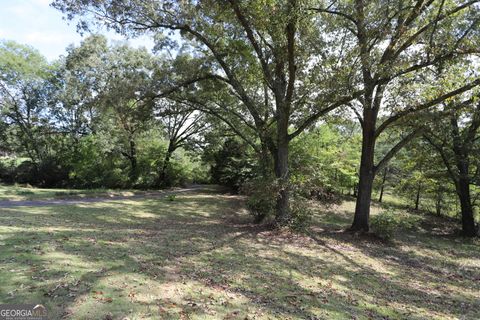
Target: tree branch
(425, 105)
(313, 118)
(390, 154)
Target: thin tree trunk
(385, 172)
(163, 179)
(265, 164)
(417, 198)
(133, 161)
(438, 203)
(281, 172)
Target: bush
(301, 214)
(232, 165)
(97, 167)
(261, 203)
(387, 222)
(261, 198)
(25, 173)
(7, 170)
(384, 225)
(51, 172)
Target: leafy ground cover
(197, 256)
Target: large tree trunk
(281, 173)
(468, 221)
(463, 182)
(282, 216)
(367, 174)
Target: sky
(35, 23)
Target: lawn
(197, 256)
(24, 192)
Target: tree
(455, 139)
(393, 48)
(109, 84)
(182, 125)
(231, 164)
(272, 69)
(128, 95)
(25, 83)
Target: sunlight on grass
(25, 192)
(199, 257)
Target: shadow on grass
(200, 257)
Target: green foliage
(386, 223)
(261, 199)
(185, 168)
(7, 170)
(87, 120)
(324, 162)
(261, 203)
(301, 214)
(20, 63)
(95, 165)
(232, 165)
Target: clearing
(197, 256)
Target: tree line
(396, 79)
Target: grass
(25, 192)
(197, 256)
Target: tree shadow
(200, 256)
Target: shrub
(51, 172)
(261, 198)
(7, 170)
(387, 222)
(232, 165)
(261, 203)
(384, 225)
(301, 214)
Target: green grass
(24, 192)
(199, 257)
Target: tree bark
(367, 174)
(265, 161)
(133, 161)
(468, 221)
(282, 216)
(385, 172)
(163, 177)
(438, 203)
(463, 182)
(281, 173)
(417, 198)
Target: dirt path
(41, 203)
